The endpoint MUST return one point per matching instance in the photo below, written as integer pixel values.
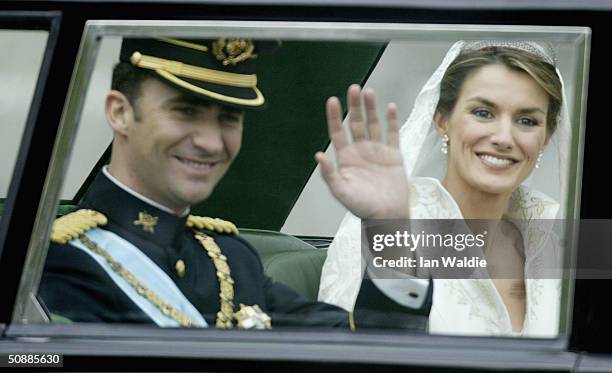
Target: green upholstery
(59, 319)
(65, 209)
(288, 260)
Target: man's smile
(197, 164)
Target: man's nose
(502, 136)
(208, 137)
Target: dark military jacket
(75, 286)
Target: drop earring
(445, 144)
(540, 154)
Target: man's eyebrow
(486, 102)
(184, 99)
(194, 101)
(233, 110)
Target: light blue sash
(146, 271)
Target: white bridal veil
(420, 145)
(420, 141)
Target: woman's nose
(502, 136)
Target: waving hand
(369, 179)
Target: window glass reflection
(19, 67)
(192, 130)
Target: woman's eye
(481, 113)
(529, 122)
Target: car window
(19, 67)
(286, 195)
(417, 59)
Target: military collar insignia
(71, 226)
(147, 221)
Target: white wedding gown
(464, 306)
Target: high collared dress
(466, 306)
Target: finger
(357, 126)
(337, 134)
(327, 169)
(392, 126)
(371, 116)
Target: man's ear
(119, 112)
(440, 123)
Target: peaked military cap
(221, 70)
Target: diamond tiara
(539, 49)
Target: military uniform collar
(134, 212)
(138, 195)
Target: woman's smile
(496, 162)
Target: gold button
(180, 267)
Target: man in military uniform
(132, 252)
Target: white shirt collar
(140, 196)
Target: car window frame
(23, 194)
(95, 30)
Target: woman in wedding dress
(479, 128)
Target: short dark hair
(128, 79)
(470, 61)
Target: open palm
(369, 179)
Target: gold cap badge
(233, 51)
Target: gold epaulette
(211, 224)
(71, 226)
